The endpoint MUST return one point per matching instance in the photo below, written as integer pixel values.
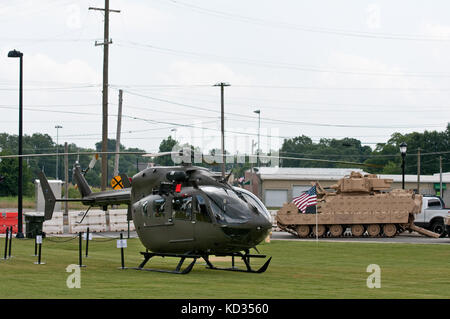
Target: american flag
(308, 198)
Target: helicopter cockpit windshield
(226, 206)
(254, 201)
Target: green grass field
(297, 270)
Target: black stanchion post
(40, 252)
(121, 251)
(39, 243)
(80, 249)
(6, 243)
(87, 242)
(35, 246)
(10, 241)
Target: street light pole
(174, 134)
(403, 148)
(57, 151)
(259, 127)
(18, 54)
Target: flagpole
(317, 227)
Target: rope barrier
(107, 238)
(59, 241)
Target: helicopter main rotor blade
(93, 161)
(178, 153)
(300, 159)
(159, 154)
(72, 153)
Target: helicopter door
(182, 218)
(201, 210)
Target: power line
(361, 108)
(318, 88)
(279, 120)
(322, 30)
(278, 65)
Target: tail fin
(81, 182)
(125, 180)
(49, 197)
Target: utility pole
(418, 170)
(119, 127)
(66, 184)
(105, 43)
(251, 167)
(259, 128)
(57, 151)
(222, 121)
(440, 177)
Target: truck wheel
(438, 227)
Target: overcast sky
(361, 69)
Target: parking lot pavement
(408, 238)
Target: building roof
(304, 173)
(423, 178)
(310, 173)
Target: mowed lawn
(298, 270)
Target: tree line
(383, 159)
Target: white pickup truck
(432, 215)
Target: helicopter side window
(145, 208)
(158, 207)
(182, 208)
(218, 213)
(201, 212)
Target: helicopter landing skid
(177, 270)
(246, 258)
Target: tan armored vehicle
(363, 204)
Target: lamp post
(174, 134)
(57, 150)
(403, 147)
(18, 54)
(259, 127)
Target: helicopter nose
(262, 223)
(251, 233)
(260, 228)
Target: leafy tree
(428, 142)
(167, 145)
(347, 149)
(10, 173)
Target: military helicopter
(182, 211)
